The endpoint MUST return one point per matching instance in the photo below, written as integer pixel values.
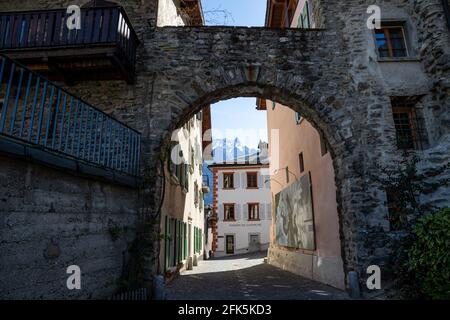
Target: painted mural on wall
(294, 215)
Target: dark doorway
(230, 244)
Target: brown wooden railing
(48, 28)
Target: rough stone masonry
(332, 76)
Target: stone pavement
(246, 277)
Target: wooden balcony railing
(47, 29)
(38, 112)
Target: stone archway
(341, 147)
(199, 66)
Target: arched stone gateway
(200, 66)
(313, 72)
(342, 149)
(334, 76)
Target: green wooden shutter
(166, 243)
(185, 240)
(195, 237)
(177, 246)
(200, 240)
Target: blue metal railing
(38, 111)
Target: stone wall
(50, 220)
(331, 76)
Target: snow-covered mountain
(224, 149)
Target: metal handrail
(37, 111)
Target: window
(287, 174)
(184, 176)
(407, 126)
(274, 104)
(390, 41)
(178, 171)
(228, 180)
(196, 194)
(229, 212)
(298, 118)
(304, 20)
(253, 211)
(252, 180)
(323, 145)
(301, 162)
(192, 164)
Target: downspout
(446, 12)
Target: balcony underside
(10, 146)
(76, 63)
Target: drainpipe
(446, 12)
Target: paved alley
(246, 277)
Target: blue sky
(244, 12)
(237, 117)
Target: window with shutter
(229, 212)
(253, 211)
(228, 180)
(252, 180)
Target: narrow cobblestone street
(246, 277)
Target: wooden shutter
(237, 212)
(262, 211)
(260, 180)
(236, 180)
(221, 212)
(220, 180)
(245, 211)
(269, 211)
(267, 181)
(244, 179)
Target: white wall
(168, 14)
(241, 196)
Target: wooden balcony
(104, 48)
